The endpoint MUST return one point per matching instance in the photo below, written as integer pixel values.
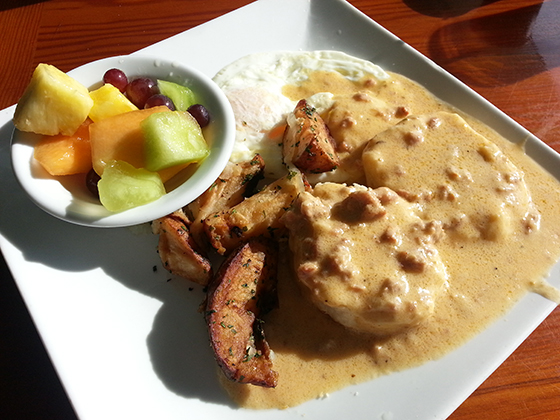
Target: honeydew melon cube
(108, 101)
(182, 96)
(53, 103)
(172, 139)
(123, 186)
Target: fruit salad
(127, 137)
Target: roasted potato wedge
(178, 252)
(236, 181)
(243, 289)
(255, 216)
(307, 142)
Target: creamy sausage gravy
(459, 224)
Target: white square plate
(127, 343)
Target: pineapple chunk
(108, 101)
(53, 103)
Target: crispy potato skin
(307, 142)
(236, 182)
(178, 252)
(255, 216)
(243, 289)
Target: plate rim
(542, 308)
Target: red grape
(158, 100)
(200, 114)
(139, 90)
(116, 78)
(91, 182)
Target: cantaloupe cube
(65, 155)
(120, 138)
(108, 101)
(168, 173)
(53, 103)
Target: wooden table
(507, 50)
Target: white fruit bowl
(68, 198)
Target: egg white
(253, 85)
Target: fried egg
(254, 84)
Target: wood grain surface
(507, 50)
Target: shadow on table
(29, 386)
(13, 4)
(445, 8)
(177, 344)
(500, 49)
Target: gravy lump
(433, 223)
(365, 257)
(455, 175)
